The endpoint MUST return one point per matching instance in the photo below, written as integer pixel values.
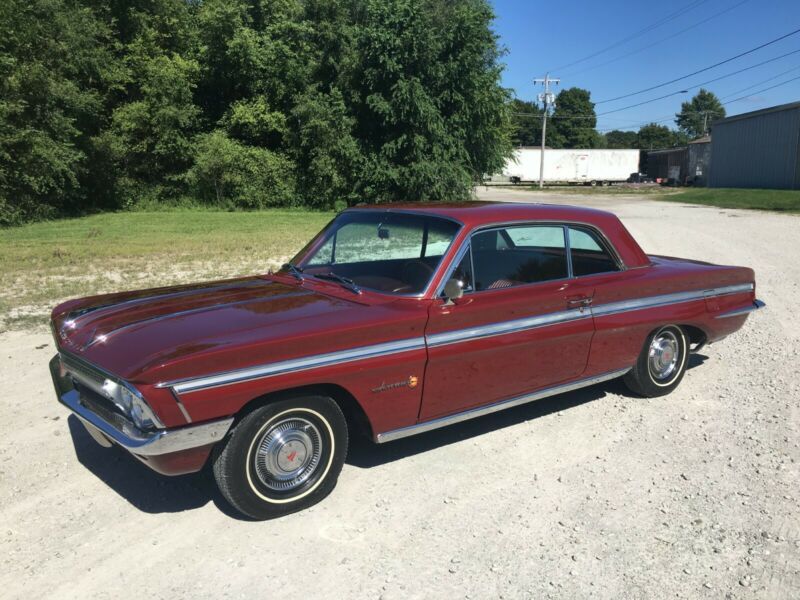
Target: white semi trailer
(572, 166)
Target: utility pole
(548, 99)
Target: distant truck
(593, 167)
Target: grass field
(44, 263)
(777, 200)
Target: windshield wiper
(345, 281)
(294, 271)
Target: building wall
(668, 164)
(757, 152)
(698, 163)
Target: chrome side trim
(298, 364)
(757, 304)
(480, 411)
(517, 325)
(665, 299)
(183, 386)
(503, 327)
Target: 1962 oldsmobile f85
(394, 320)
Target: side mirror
(453, 289)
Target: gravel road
(590, 494)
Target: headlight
(142, 415)
(130, 404)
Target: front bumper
(168, 451)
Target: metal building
(698, 161)
(668, 165)
(759, 149)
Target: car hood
(131, 333)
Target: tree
(430, 115)
(150, 139)
(526, 119)
(622, 139)
(656, 137)
(246, 103)
(51, 100)
(697, 115)
(574, 120)
(327, 154)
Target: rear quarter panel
(619, 337)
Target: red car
(393, 321)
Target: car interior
(499, 262)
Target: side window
(589, 254)
(527, 254)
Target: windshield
(390, 252)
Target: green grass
(45, 263)
(777, 200)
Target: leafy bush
(228, 173)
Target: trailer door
(581, 167)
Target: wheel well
(357, 421)
(696, 335)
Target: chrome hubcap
(663, 355)
(288, 454)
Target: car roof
(478, 213)
(474, 214)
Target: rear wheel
(282, 457)
(661, 364)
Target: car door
(523, 323)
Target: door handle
(582, 302)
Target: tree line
(245, 103)
(573, 124)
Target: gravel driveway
(590, 494)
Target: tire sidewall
(235, 461)
(651, 386)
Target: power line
(762, 82)
(697, 85)
(641, 32)
(656, 43)
(669, 118)
(772, 87)
(703, 70)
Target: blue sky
(541, 37)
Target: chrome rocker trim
(757, 305)
(136, 441)
(480, 411)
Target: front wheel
(661, 364)
(282, 457)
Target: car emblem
(411, 382)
